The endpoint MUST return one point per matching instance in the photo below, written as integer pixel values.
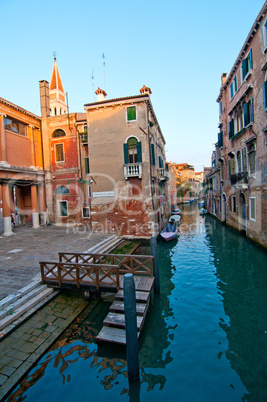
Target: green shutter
(235, 81)
(152, 151)
(139, 152)
(246, 113)
(126, 158)
(231, 91)
(229, 168)
(264, 91)
(231, 128)
(244, 68)
(220, 139)
(86, 164)
(251, 110)
(131, 113)
(250, 60)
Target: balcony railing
(163, 174)
(132, 170)
(84, 138)
(239, 177)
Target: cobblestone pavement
(21, 253)
(24, 346)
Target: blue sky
(178, 48)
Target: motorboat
(169, 232)
(203, 211)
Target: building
(238, 181)
(65, 149)
(172, 189)
(127, 167)
(22, 191)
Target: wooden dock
(114, 324)
(105, 272)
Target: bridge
(105, 272)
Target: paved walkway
(19, 265)
(20, 254)
(21, 349)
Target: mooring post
(131, 327)
(154, 252)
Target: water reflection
(242, 284)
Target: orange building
(22, 192)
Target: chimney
(44, 98)
(224, 76)
(145, 90)
(101, 94)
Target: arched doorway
(242, 213)
(223, 208)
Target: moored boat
(169, 232)
(203, 211)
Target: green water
(205, 337)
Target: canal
(205, 337)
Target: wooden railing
(135, 264)
(96, 275)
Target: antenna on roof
(55, 55)
(104, 64)
(93, 84)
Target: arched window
(244, 160)
(252, 158)
(62, 190)
(132, 151)
(58, 133)
(239, 161)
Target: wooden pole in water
(154, 252)
(131, 327)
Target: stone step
(24, 307)
(14, 297)
(27, 293)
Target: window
(63, 208)
(86, 165)
(86, 212)
(234, 203)
(160, 162)
(235, 84)
(59, 153)
(220, 108)
(62, 190)
(248, 112)
(247, 65)
(58, 133)
(244, 157)
(231, 90)
(152, 154)
(15, 126)
(132, 151)
(252, 158)
(231, 129)
(252, 208)
(131, 113)
(220, 139)
(264, 34)
(231, 166)
(239, 161)
(264, 92)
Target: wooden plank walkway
(114, 324)
(105, 272)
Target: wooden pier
(105, 272)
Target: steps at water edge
(113, 335)
(141, 297)
(118, 307)
(118, 320)
(20, 314)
